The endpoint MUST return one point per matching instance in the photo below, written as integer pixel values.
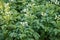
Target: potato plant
(29, 19)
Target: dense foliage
(29, 19)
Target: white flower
(33, 4)
(12, 0)
(28, 5)
(25, 10)
(56, 2)
(26, 14)
(1, 11)
(24, 23)
(56, 17)
(43, 14)
(6, 4)
(32, 0)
